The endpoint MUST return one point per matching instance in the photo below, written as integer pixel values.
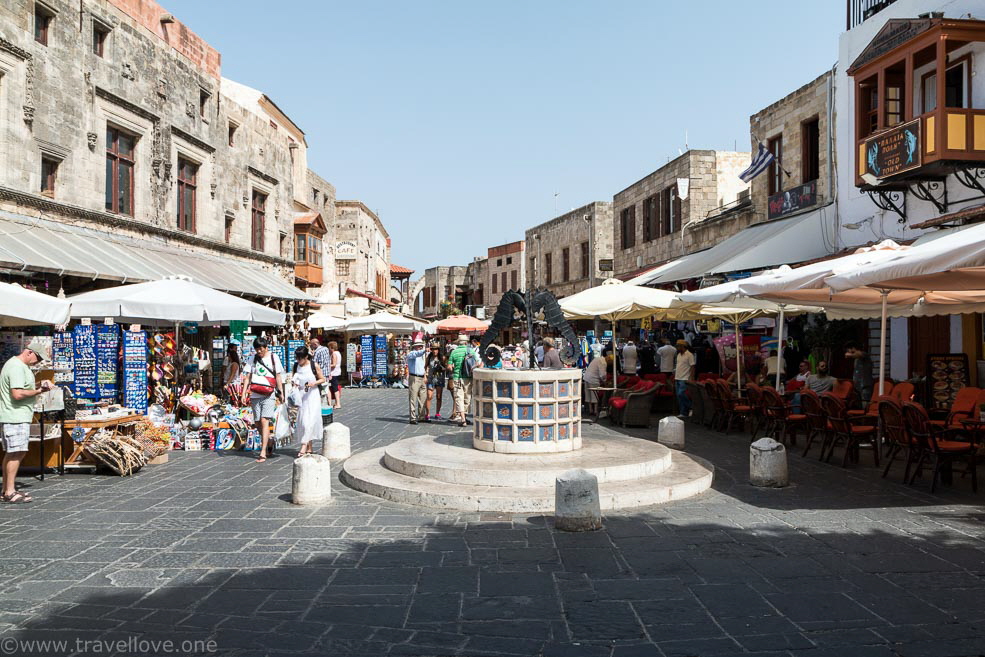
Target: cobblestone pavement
(207, 548)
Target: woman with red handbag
(264, 386)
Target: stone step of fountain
(366, 471)
(452, 459)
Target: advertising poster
(726, 352)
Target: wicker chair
(779, 418)
(694, 391)
(758, 415)
(936, 448)
(897, 437)
(817, 420)
(843, 429)
(632, 407)
(735, 408)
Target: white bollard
(670, 432)
(335, 442)
(576, 502)
(768, 464)
(312, 483)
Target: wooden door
(928, 335)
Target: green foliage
(824, 335)
(448, 308)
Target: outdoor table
(78, 458)
(975, 428)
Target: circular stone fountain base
(445, 472)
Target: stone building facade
(505, 270)
(121, 86)
(570, 238)
(650, 217)
(476, 287)
(443, 283)
(797, 131)
(361, 250)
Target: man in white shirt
(667, 354)
(263, 375)
(683, 372)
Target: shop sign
(793, 200)
(893, 151)
(237, 328)
(605, 264)
(345, 251)
(191, 328)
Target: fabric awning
(43, 245)
(768, 244)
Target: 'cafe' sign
(345, 250)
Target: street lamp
(590, 220)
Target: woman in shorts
(334, 388)
(434, 369)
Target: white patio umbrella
(325, 321)
(172, 300)
(383, 322)
(23, 307)
(615, 300)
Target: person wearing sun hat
(415, 374)
(17, 393)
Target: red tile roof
(397, 269)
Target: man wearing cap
(17, 393)
(683, 372)
(462, 386)
(415, 372)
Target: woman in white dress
(307, 376)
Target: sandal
(17, 498)
(262, 459)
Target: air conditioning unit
(480, 312)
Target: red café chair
(843, 429)
(844, 390)
(936, 447)
(794, 385)
(779, 418)
(754, 394)
(718, 406)
(962, 408)
(903, 392)
(872, 411)
(896, 435)
(817, 420)
(735, 408)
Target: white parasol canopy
(172, 300)
(615, 300)
(383, 322)
(23, 307)
(325, 322)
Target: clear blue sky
(458, 120)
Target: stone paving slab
(207, 548)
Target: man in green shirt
(17, 393)
(461, 386)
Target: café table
(602, 395)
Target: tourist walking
(460, 363)
(552, 359)
(416, 385)
(263, 386)
(307, 378)
(17, 393)
(335, 376)
(434, 366)
(323, 359)
(683, 372)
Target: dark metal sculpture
(529, 303)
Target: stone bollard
(335, 441)
(768, 464)
(670, 432)
(312, 484)
(576, 502)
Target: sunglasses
(37, 355)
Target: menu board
(292, 346)
(350, 357)
(135, 370)
(84, 360)
(366, 347)
(218, 360)
(61, 356)
(107, 359)
(380, 356)
(946, 374)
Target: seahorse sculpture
(529, 303)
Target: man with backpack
(461, 362)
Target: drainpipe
(832, 183)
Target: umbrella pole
(882, 343)
(738, 357)
(779, 344)
(615, 357)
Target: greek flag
(759, 163)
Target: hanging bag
(263, 385)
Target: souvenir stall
(378, 357)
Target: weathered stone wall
(786, 118)
(710, 187)
(502, 259)
(58, 99)
(570, 231)
(321, 199)
(354, 222)
(442, 281)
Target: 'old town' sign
(893, 151)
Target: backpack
(469, 363)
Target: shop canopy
(22, 307)
(763, 245)
(172, 300)
(325, 322)
(615, 300)
(383, 322)
(459, 324)
(34, 244)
